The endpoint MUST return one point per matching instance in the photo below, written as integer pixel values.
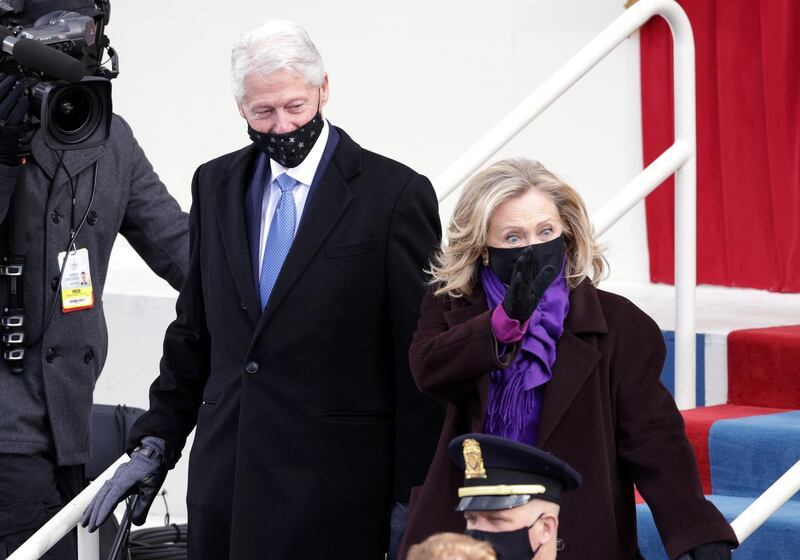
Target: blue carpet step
(777, 539)
(747, 455)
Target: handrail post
(685, 212)
(88, 544)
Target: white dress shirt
(303, 174)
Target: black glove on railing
(14, 105)
(525, 291)
(142, 475)
(710, 551)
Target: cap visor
(492, 503)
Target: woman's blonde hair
(454, 269)
(451, 546)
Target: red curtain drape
(748, 142)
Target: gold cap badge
(473, 460)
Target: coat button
(88, 356)
(55, 217)
(251, 367)
(92, 218)
(50, 355)
(54, 283)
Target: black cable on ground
(161, 543)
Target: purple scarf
(515, 393)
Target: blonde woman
(519, 342)
(451, 546)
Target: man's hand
(143, 475)
(709, 551)
(14, 105)
(525, 291)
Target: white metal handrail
(767, 503)
(678, 159)
(64, 521)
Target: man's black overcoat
(295, 454)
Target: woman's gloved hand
(710, 551)
(143, 475)
(14, 105)
(525, 290)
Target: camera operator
(70, 205)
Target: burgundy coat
(604, 411)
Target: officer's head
(511, 494)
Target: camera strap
(64, 262)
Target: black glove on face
(525, 291)
(14, 105)
(709, 551)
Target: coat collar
(585, 312)
(330, 200)
(576, 357)
(322, 211)
(72, 161)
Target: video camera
(58, 56)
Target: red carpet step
(698, 423)
(763, 367)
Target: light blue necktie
(279, 239)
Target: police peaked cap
(502, 474)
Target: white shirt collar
(304, 173)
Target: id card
(76, 284)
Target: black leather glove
(14, 105)
(525, 291)
(709, 551)
(148, 490)
(142, 475)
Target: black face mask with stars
(290, 148)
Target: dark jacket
(49, 405)
(604, 412)
(295, 453)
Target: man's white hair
(275, 45)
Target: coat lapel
(230, 190)
(575, 357)
(331, 198)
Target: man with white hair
(289, 351)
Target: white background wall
(417, 81)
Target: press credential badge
(76, 285)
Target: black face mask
(290, 148)
(549, 253)
(508, 545)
